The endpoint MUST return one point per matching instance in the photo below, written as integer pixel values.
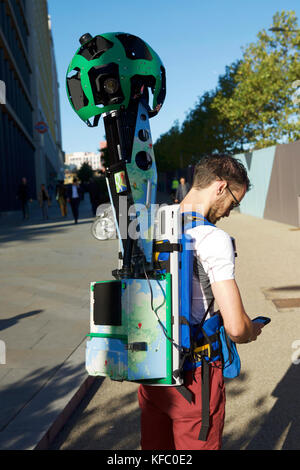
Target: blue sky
(195, 40)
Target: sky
(195, 39)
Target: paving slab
(45, 271)
(263, 403)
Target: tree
(168, 149)
(85, 172)
(261, 111)
(204, 131)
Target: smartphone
(264, 320)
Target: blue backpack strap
(186, 291)
(193, 219)
(190, 220)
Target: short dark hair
(222, 166)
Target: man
(168, 420)
(174, 186)
(182, 190)
(43, 198)
(24, 197)
(74, 196)
(61, 198)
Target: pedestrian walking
(23, 195)
(61, 197)
(44, 201)
(182, 190)
(168, 420)
(50, 192)
(74, 197)
(174, 186)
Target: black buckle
(142, 346)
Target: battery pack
(131, 330)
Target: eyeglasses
(236, 203)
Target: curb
(61, 420)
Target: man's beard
(214, 214)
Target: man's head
(182, 180)
(224, 181)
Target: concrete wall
(275, 175)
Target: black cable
(177, 346)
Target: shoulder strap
(193, 219)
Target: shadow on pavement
(32, 233)
(280, 425)
(8, 322)
(33, 419)
(14, 228)
(118, 429)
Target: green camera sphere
(109, 71)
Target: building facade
(28, 71)
(76, 159)
(17, 147)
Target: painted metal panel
(259, 164)
(284, 188)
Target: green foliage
(261, 108)
(85, 172)
(253, 105)
(167, 149)
(204, 130)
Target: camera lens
(111, 86)
(85, 38)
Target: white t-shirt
(214, 249)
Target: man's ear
(221, 186)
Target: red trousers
(170, 422)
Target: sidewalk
(45, 271)
(263, 403)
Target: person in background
(50, 192)
(174, 186)
(182, 190)
(24, 197)
(74, 197)
(61, 198)
(44, 201)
